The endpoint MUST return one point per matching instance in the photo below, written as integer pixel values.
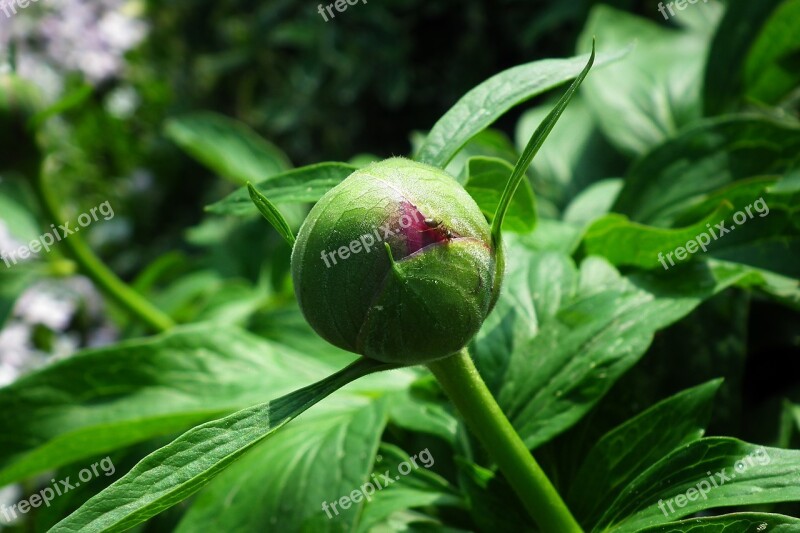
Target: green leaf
(783, 288)
(271, 213)
(486, 179)
(418, 414)
(648, 97)
(735, 35)
(788, 184)
(602, 327)
(104, 399)
(744, 474)
(535, 286)
(713, 154)
(488, 143)
(228, 147)
(535, 142)
(74, 98)
(420, 488)
(594, 202)
(552, 236)
(17, 213)
(305, 184)
(731, 523)
(627, 243)
(703, 20)
(624, 452)
(767, 236)
(772, 67)
(575, 156)
(178, 470)
(484, 104)
(494, 505)
(282, 483)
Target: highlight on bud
(396, 263)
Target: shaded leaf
(684, 482)
(624, 452)
(574, 156)
(228, 147)
(712, 154)
(420, 488)
(772, 67)
(484, 104)
(735, 36)
(604, 325)
(486, 179)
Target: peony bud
(396, 263)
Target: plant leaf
(651, 95)
(74, 98)
(418, 414)
(593, 202)
(624, 452)
(271, 213)
(745, 474)
(536, 284)
(731, 523)
(773, 63)
(489, 143)
(535, 142)
(178, 470)
(484, 104)
(494, 505)
(738, 29)
(575, 155)
(323, 455)
(304, 184)
(603, 326)
(700, 160)
(623, 242)
(486, 179)
(226, 146)
(104, 399)
(420, 488)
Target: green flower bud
(396, 263)
(19, 101)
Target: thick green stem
(95, 269)
(460, 380)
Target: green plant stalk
(95, 269)
(464, 386)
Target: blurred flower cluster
(56, 37)
(51, 320)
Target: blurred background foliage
(321, 91)
(123, 76)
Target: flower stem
(460, 380)
(95, 269)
